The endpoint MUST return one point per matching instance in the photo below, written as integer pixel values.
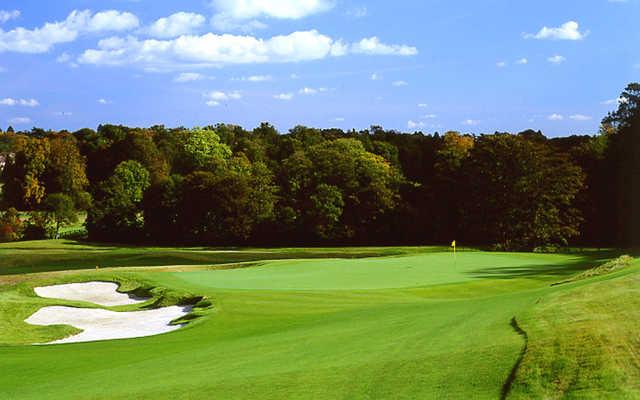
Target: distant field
(335, 323)
(76, 227)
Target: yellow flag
(453, 244)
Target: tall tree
(520, 193)
(117, 214)
(24, 187)
(624, 159)
(204, 150)
(66, 167)
(60, 209)
(359, 186)
(211, 207)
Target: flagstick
(455, 258)
(455, 255)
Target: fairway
(417, 324)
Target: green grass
(76, 227)
(409, 323)
(584, 341)
(57, 255)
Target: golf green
(411, 324)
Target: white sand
(102, 293)
(97, 324)
(104, 324)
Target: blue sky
(430, 65)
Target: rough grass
(414, 324)
(58, 255)
(584, 341)
(606, 268)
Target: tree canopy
(222, 184)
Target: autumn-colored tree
(11, 226)
(66, 167)
(23, 174)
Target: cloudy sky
(430, 65)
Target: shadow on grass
(30, 259)
(583, 262)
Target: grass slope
(58, 255)
(584, 341)
(413, 325)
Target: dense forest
(224, 185)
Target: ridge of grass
(611, 266)
(583, 340)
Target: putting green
(400, 327)
(377, 273)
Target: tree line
(224, 185)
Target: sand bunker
(102, 293)
(104, 324)
(98, 324)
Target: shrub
(11, 226)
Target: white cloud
(422, 105)
(257, 78)
(619, 100)
(217, 96)
(501, 64)
(373, 45)
(375, 77)
(20, 120)
(339, 48)
(470, 122)
(110, 20)
(522, 61)
(312, 91)
(178, 24)
(338, 119)
(104, 101)
(63, 113)
(294, 76)
(308, 91)
(399, 83)
(557, 59)
(225, 23)
(415, 124)
(283, 96)
(41, 40)
(19, 102)
(555, 117)
(429, 116)
(358, 12)
(63, 58)
(580, 117)
(188, 77)
(279, 9)
(8, 15)
(568, 31)
(211, 50)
